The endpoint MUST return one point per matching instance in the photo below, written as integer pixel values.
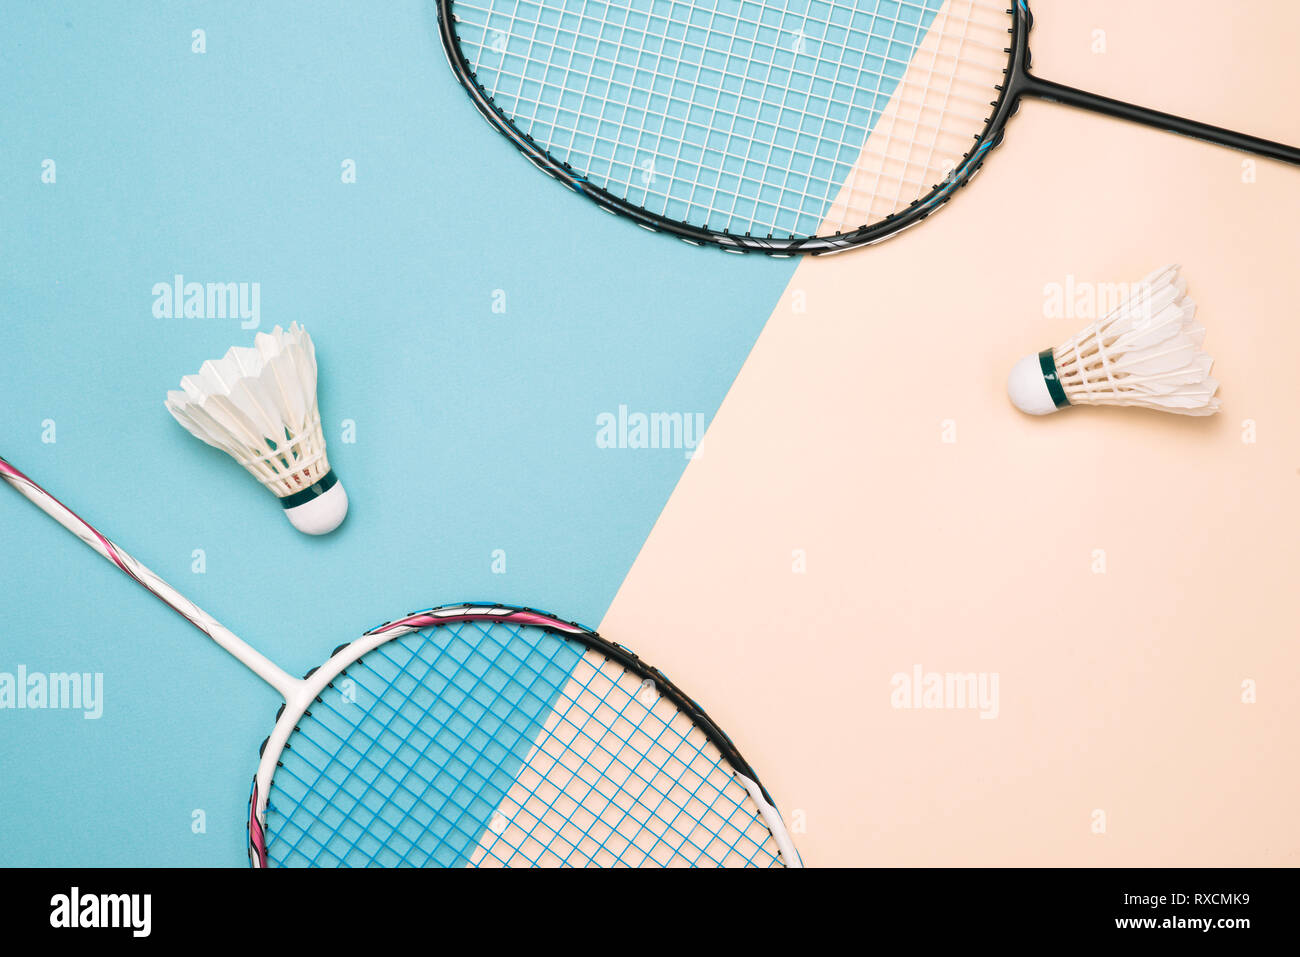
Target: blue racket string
(488, 744)
(653, 802)
(394, 714)
(650, 802)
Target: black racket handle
(1059, 93)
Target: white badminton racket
(482, 735)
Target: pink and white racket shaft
(51, 506)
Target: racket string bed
(390, 708)
(653, 101)
(461, 745)
(941, 84)
(356, 753)
(907, 156)
(652, 781)
(596, 162)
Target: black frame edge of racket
(1002, 108)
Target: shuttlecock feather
(1146, 353)
(259, 406)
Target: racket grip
(1060, 93)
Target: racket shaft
(47, 503)
(1060, 93)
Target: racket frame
(320, 679)
(778, 247)
(300, 693)
(1018, 82)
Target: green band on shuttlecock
(1047, 362)
(326, 482)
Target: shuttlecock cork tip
(1029, 385)
(318, 510)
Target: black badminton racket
(809, 126)
(482, 735)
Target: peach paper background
(1120, 692)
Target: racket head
(809, 127)
(492, 735)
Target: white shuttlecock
(259, 406)
(1146, 353)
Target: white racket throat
(773, 818)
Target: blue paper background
(475, 430)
